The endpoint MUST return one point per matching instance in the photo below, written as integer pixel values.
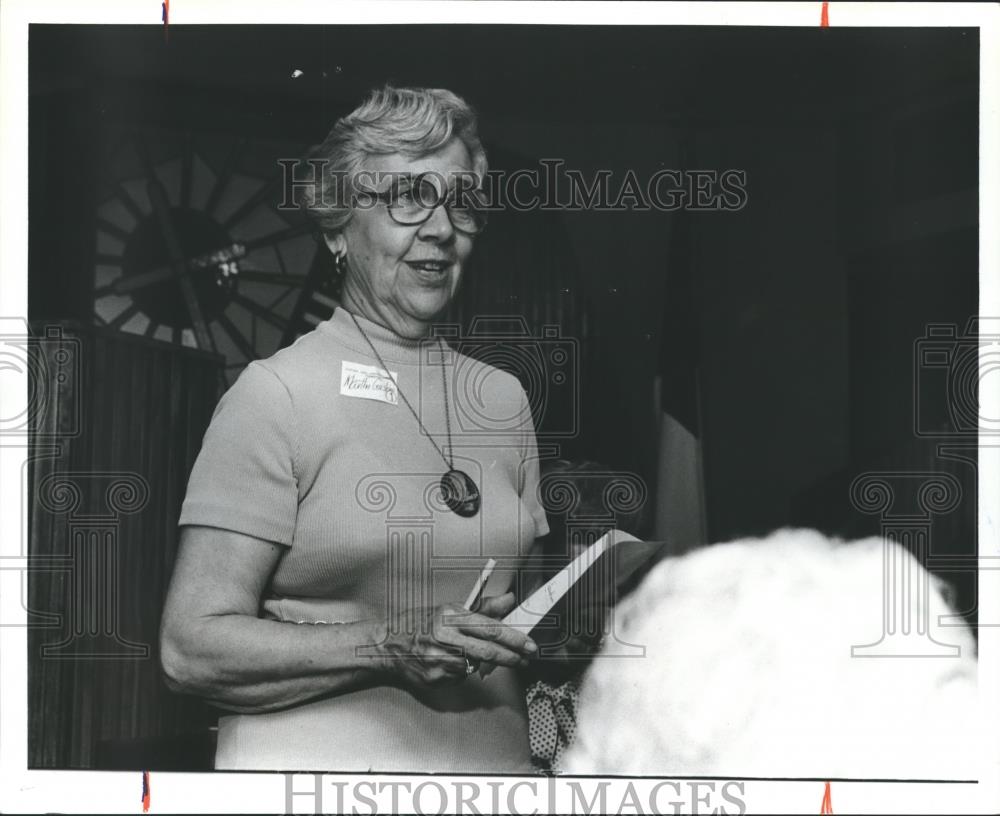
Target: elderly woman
(343, 503)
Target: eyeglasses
(412, 201)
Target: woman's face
(404, 276)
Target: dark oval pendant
(460, 493)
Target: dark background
(861, 228)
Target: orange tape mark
(827, 806)
(824, 17)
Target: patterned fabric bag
(551, 721)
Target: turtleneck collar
(389, 344)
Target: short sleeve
(529, 478)
(244, 478)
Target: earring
(340, 265)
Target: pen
(480, 585)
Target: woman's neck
(399, 324)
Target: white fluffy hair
(748, 672)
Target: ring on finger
(470, 667)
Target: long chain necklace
(457, 487)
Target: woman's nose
(438, 226)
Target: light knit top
(348, 483)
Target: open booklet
(590, 581)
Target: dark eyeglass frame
(387, 197)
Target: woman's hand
(431, 646)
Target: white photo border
(23, 790)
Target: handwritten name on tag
(368, 382)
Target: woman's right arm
(214, 645)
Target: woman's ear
(336, 243)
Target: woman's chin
(426, 306)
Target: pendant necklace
(457, 487)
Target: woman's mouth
(430, 271)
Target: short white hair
(748, 671)
(414, 122)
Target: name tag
(368, 382)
